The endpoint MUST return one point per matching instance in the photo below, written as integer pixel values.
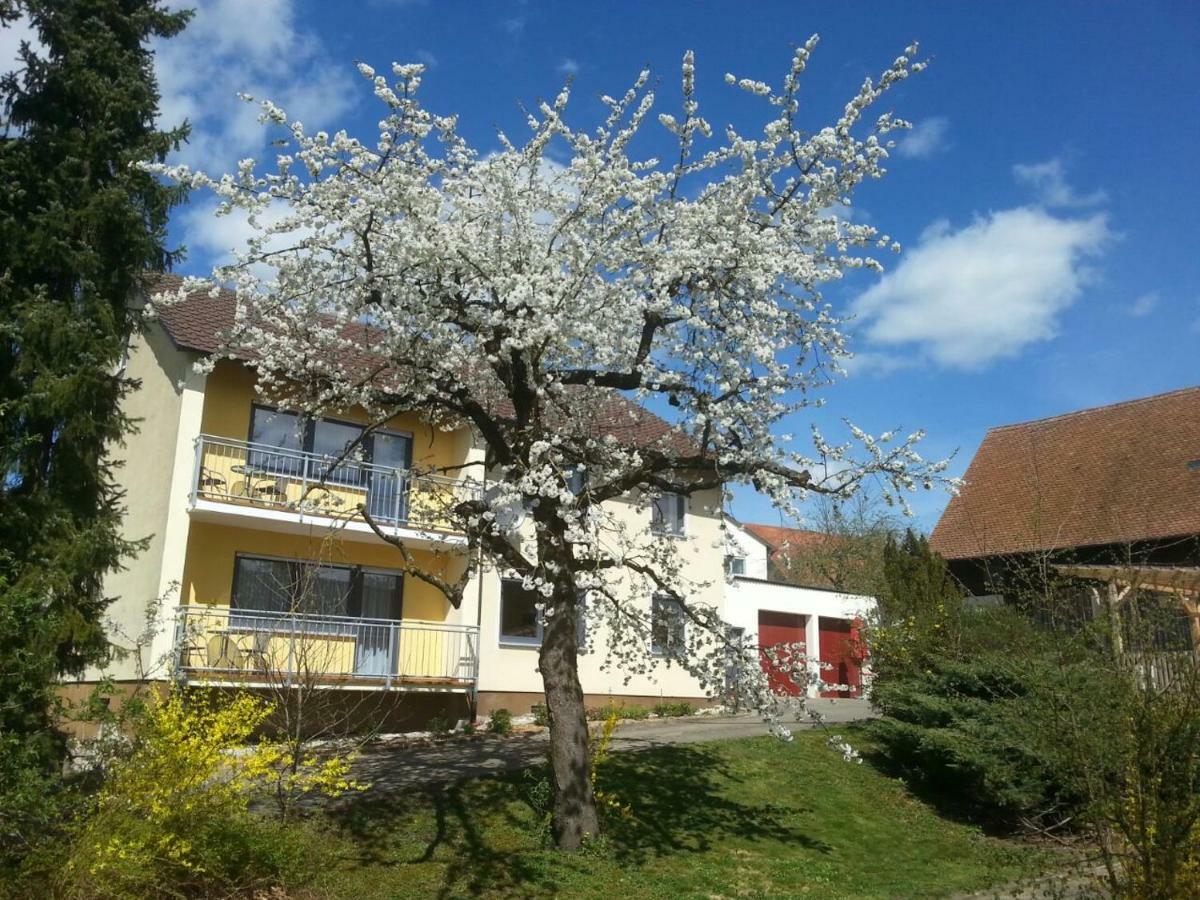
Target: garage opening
(777, 631)
(841, 650)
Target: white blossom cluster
(541, 302)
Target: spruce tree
(80, 224)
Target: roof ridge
(1090, 410)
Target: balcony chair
(212, 482)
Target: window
(666, 514)
(275, 429)
(667, 627)
(735, 565)
(330, 440)
(285, 587)
(521, 620)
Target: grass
(750, 818)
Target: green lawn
(751, 818)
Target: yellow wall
(230, 394)
(208, 571)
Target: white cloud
(969, 297)
(1049, 182)
(255, 47)
(514, 26)
(1144, 305)
(926, 138)
(219, 238)
(569, 66)
(426, 56)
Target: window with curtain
(667, 514)
(296, 586)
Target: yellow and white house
(260, 570)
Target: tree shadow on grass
(490, 833)
(684, 799)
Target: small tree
(531, 299)
(849, 554)
(309, 709)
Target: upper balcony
(260, 486)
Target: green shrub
(172, 816)
(671, 710)
(439, 724)
(500, 722)
(541, 715)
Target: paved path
(390, 769)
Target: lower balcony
(259, 486)
(218, 645)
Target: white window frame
(516, 641)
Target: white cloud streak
(968, 297)
(927, 137)
(1144, 305)
(1049, 182)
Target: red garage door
(840, 650)
(777, 630)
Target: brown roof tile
(1110, 475)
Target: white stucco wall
(742, 543)
(513, 668)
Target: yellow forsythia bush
(173, 817)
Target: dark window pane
(330, 440)
(324, 590)
(263, 584)
(380, 596)
(280, 430)
(387, 497)
(735, 565)
(518, 612)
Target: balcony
(217, 645)
(260, 486)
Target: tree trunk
(574, 815)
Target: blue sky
(1045, 200)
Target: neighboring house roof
(199, 322)
(783, 540)
(1110, 475)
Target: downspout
(478, 614)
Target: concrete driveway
(397, 768)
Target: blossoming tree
(533, 300)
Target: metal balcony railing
(246, 473)
(257, 647)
